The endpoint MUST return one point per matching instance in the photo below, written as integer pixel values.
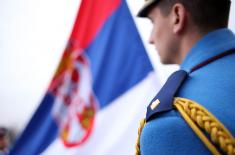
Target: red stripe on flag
(91, 16)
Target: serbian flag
(99, 91)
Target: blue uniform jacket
(212, 86)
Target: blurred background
(33, 34)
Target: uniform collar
(212, 44)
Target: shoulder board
(163, 101)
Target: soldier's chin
(166, 61)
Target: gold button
(155, 104)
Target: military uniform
(212, 85)
(175, 123)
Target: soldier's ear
(178, 18)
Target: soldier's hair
(206, 14)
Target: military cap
(150, 3)
(146, 8)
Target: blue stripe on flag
(118, 57)
(46, 128)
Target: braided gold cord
(199, 118)
(196, 115)
(137, 146)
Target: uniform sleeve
(170, 135)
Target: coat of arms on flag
(74, 107)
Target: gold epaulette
(200, 119)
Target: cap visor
(146, 8)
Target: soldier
(4, 141)
(194, 112)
